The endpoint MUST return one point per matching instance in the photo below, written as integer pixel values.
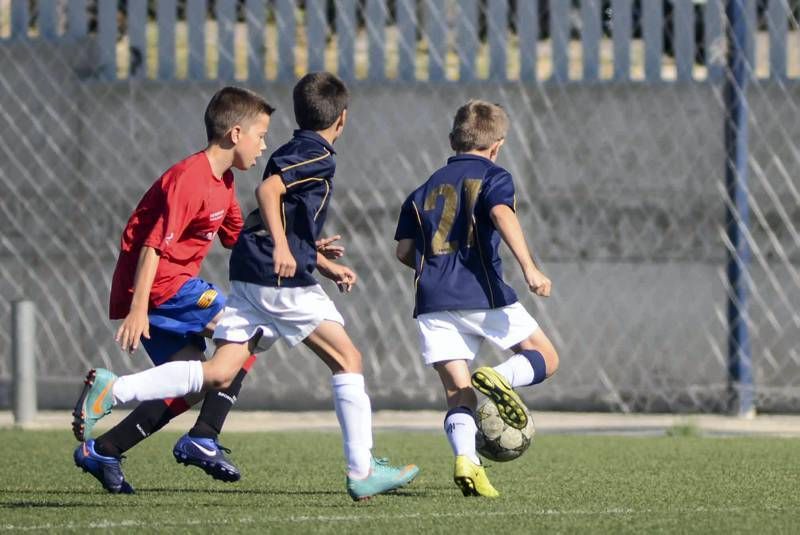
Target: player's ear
(235, 133)
(342, 120)
(495, 148)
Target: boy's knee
(218, 377)
(351, 361)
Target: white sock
(460, 429)
(517, 370)
(354, 412)
(170, 380)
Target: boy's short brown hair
(477, 125)
(231, 106)
(319, 99)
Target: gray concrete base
(546, 422)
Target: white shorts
(457, 334)
(290, 313)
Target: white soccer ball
(498, 441)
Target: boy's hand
(134, 326)
(285, 264)
(344, 277)
(328, 250)
(537, 282)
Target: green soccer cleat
(95, 402)
(493, 385)
(382, 478)
(471, 479)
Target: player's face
(252, 141)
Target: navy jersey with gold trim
(306, 164)
(458, 266)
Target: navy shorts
(180, 321)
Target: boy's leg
(330, 342)
(460, 428)
(459, 422)
(217, 404)
(534, 360)
(366, 476)
(170, 380)
(199, 447)
(149, 416)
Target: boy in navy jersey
(449, 231)
(274, 294)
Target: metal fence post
(24, 361)
(737, 217)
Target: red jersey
(178, 216)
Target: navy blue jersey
(457, 262)
(306, 164)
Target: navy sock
(217, 405)
(537, 362)
(146, 419)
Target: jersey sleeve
(179, 203)
(498, 188)
(407, 222)
(295, 167)
(232, 224)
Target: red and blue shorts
(181, 320)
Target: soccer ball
(498, 441)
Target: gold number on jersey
(471, 188)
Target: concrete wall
(620, 192)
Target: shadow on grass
(46, 491)
(42, 505)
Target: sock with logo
(217, 404)
(146, 419)
(460, 428)
(526, 368)
(354, 412)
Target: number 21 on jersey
(440, 245)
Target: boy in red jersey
(274, 293)
(156, 292)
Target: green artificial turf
(294, 483)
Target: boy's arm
(343, 276)
(136, 324)
(507, 224)
(405, 252)
(231, 225)
(407, 225)
(268, 195)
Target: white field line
(267, 520)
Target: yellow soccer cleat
(493, 385)
(471, 479)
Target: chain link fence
(616, 147)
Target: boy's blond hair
(231, 106)
(477, 125)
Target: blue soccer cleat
(95, 402)
(208, 455)
(107, 470)
(382, 478)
